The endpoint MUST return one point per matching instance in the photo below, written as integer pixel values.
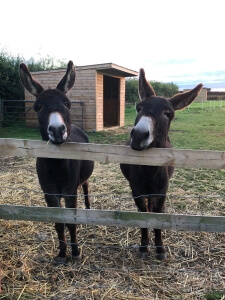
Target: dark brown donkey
(59, 177)
(149, 184)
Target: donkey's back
(77, 135)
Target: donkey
(149, 184)
(59, 177)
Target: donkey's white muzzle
(142, 134)
(57, 131)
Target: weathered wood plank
(115, 154)
(113, 218)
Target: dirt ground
(110, 267)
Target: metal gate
(21, 112)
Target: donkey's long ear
(29, 82)
(145, 89)
(68, 79)
(182, 100)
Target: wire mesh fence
(110, 267)
(21, 113)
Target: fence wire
(110, 263)
(110, 267)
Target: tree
(131, 94)
(10, 85)
(47, 63)
(165, 89)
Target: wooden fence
(114, 154)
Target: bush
(10, 85)
(131, 94)
(162, 89)
(47, 63)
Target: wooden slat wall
(84, 90)
(88, 88)
(31, 115)
(48, 79)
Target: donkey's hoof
(161, 256)
(77, 257)
(143, 255)
(60, 260)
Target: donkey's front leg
(144, 248)
(71, 202)
(159, 207)
(60, 229)
(142, 204)
(160, 250)
(76, 252)
(54, 201)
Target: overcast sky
(173, 40)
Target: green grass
(214, 295)
(130, 115)
(197, 127)
(20, 132)
(193, 191)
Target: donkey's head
(52, 106)
(155, 115)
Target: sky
(176, 41)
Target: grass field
(110, 268)
(197, 127)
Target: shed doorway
(111, 101)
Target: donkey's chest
(144, 179)
(58, 175)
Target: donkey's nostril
(50, 128)
(146, 135)
(63, 127)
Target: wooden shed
(100, 90)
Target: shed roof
(110, 69)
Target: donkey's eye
(167, 114)
(37, 107)
(67, 104)
(138, 108)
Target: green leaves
(165, 89)
(10, 85)
(10, 88)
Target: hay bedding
(110, 268)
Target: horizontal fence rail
(113, 218)
(114, 154)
